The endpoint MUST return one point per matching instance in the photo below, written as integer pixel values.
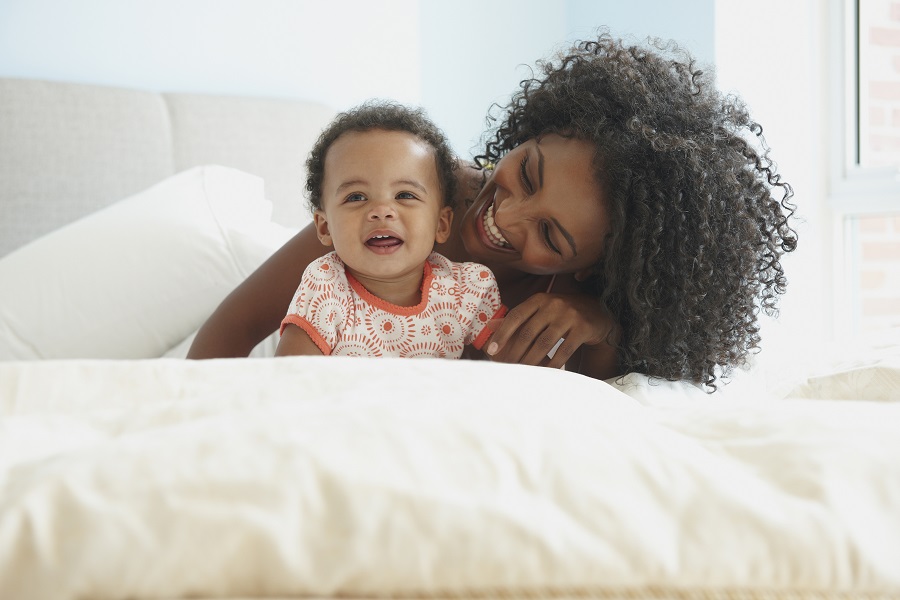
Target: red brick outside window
(877, 236)
(879, 83)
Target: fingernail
(492, 348)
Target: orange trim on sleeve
(311, 331)
(485, 332)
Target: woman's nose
(508, 209)
(381, 209)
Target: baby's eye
(406, 196)
(355, 197)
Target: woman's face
(541, 210)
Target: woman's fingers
(538, 350)
(562, 355)
(541, 325)
(500, 346)
(557, 324)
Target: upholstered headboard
(69, 149)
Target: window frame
(853, 190)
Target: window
(865, 186)
(878, 83)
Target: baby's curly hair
(390, 116)
(699, 215)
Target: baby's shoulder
(325, 271)
(328, 262)
(466, 273)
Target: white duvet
(306, 477)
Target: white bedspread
(299, 477)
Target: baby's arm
(295, 341)
(306, 329)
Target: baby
(381, 179)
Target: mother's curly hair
(699, 215)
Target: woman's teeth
(492, 231)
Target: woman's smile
(541, 210)
(492, 231)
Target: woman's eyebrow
(540, 166)
(559, 226)
(566, 235)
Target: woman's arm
(255, 308)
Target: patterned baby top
(343, 318)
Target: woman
(626, 208)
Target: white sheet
(362, 477)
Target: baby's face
(382, 207)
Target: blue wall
(475, 53)
(455, 57)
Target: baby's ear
(445, 220)
(321, 223)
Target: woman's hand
(530, 330)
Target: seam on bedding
(596, 593)
(641, 593)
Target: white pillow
(136, 278)
(862, 367)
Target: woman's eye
(545, 231)
(523, 174)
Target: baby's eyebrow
(413, 183)
(351, 183)
(364, 182)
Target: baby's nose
(382, 210)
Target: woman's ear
(445, 220)
(321, 224)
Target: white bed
(127, 472)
